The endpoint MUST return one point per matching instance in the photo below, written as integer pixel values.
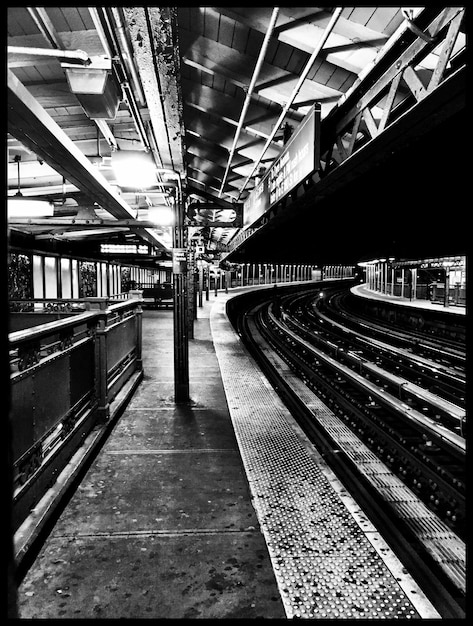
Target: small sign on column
(179, 260)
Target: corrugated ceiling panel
(203, 162)
(58, 20)
(323, 73)
(283, 54)
(27, 74)
(347, 11)
(338, 78)
(348, 82)
(253, 47)
(297, 62)
(382, 17)
(211, 24)
(220, 84)
(52, 72)
(58, 112)
(187, 72)
(86, 17)
(394, 24)
(207, 79)
(20, 22)
(271, 50)
(201, 174)
(240, 37)
(220, 134)
(361, 15)
(226, 30)
(230, 88)
(73, 18)
(196, 20)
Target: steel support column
(414, 283)
(181, 338)
(446, 294)
(201, 283)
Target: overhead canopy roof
(202, 91)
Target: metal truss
(414, 77)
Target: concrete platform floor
(162, 526)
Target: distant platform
(364, 292)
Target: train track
(407, 467)
(443, 351)
(436, 388)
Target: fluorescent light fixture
(25, 207)
(134, 168)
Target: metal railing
(64, 377)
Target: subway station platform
(219, 508)
(418, 303)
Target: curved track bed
(397, 445)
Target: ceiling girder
(153, 36)
(30, 124)
(447, 100)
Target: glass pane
(66, 281)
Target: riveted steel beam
(153, 34)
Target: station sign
(179, 260)
(215, 216)
(299, 159)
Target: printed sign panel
(298, 160)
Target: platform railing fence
(64, 377)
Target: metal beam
(152, 33)
(292, 97)
(222, 118)
(358, 98)
(254, 78)
(447, 100)
(73, 222)
(30, 124)
(33, 127)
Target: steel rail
(451, 410)
(457, 443)
(384, 495)
(419, 360)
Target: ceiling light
(25, 207)
(18, 206)
(161, 215)
(134, 169)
